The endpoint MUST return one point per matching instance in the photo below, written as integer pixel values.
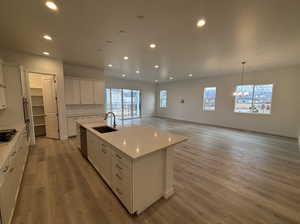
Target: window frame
(252, 99)
(160, 104)
(203, 99)
(122, 102)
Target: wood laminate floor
(222, 176)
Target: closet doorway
(43, 101)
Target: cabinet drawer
(4, 171)
(123, 194)
(121, 159)
(120, 171)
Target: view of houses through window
(209, 99)
(125, 103)
(257, 100)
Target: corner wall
(284, 120)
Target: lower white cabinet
(136, 182)
(10, 178)
(71, 123)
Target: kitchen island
(136, 162)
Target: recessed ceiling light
(51, 5)
(156, 80)
(125, 58)
(137, 72)
(123, 75)
(152, 45)
(201, 22)
(46, 53)
(109, 65)
(190, 75)
(47, 37)
(171, 78)
(156, 66)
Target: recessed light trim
(46, 53)
(47, 37)
(201, 22)
(156, 66)
(152, 46)
(125, 57)
(51, 5)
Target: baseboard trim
(226, 127)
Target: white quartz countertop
(6, 147)
(135, 141)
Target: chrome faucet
(106, 116)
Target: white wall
(88, 73)
(284, 120)
(147, 92)
(41, 64)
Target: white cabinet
(83, 91)
(86, 92)
(139, 182)
(11, 176)
(72, 90)
(92, 149)
(3, 103)
(104, 161)
(98, 92)
(71, 124)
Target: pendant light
(241, 93)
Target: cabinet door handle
(117, 175)
(118, 190)
(5, 169)
(118, 156)
(11, 169)
(13, 154)
(120, 168)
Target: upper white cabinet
(3, 103)
(99, 92)
(72, 91)
(83, 91)
(86, 92)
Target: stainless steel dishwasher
(83, 142)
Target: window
(125, 103)
(209, 99)
(163, 98)
(258, 99)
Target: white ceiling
(265, 33)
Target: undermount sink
(104, 129)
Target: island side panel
(148, 180)
(169, 172)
